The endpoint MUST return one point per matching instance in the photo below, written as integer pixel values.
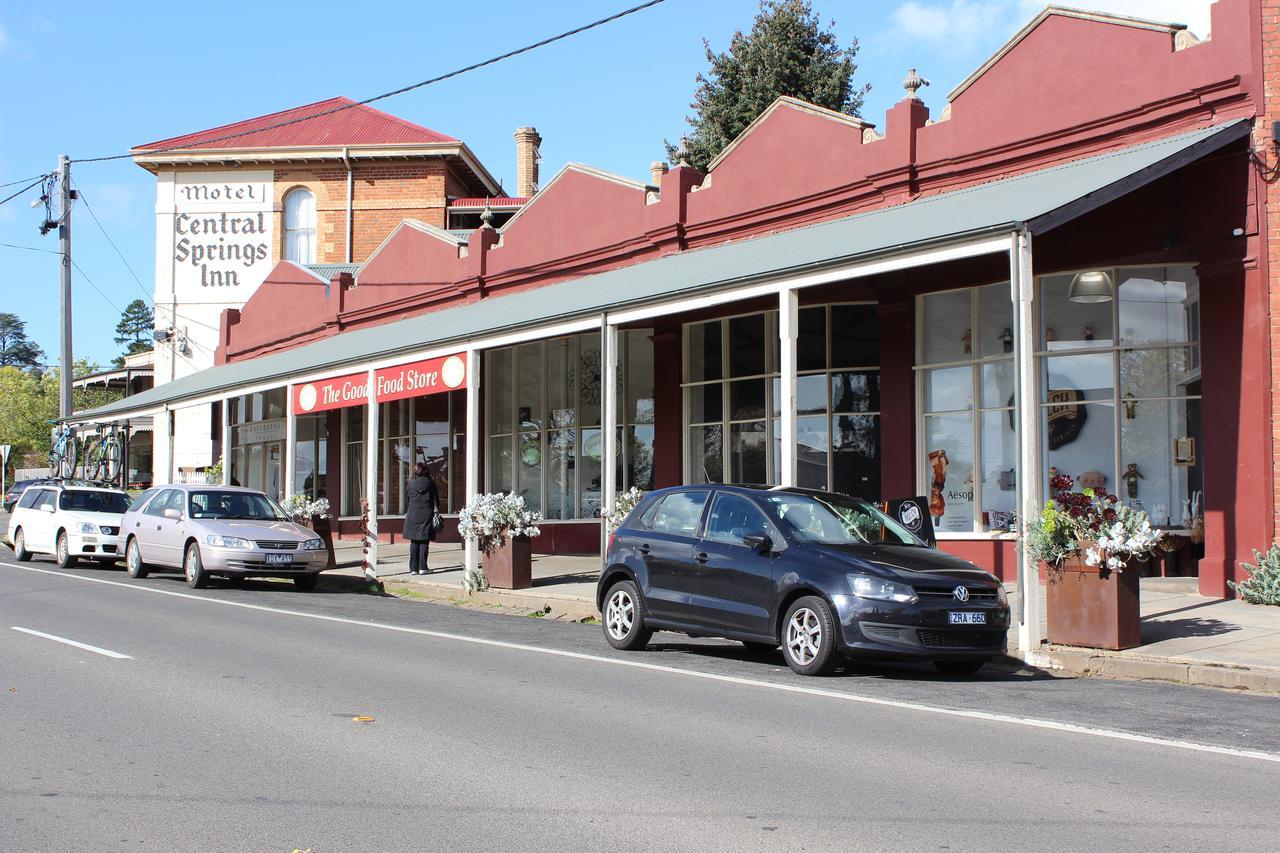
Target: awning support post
(471, 553)
(290, 435)
(788, 322)
(226, 441)
(371, 474)
(608, 425)
(1027, 406)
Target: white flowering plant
(1129, 536)
(302, 506)
(488, 519)
(622, 507)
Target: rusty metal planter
(511, 566)
(1093, 606)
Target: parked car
(219, 530)
(67, 520)
(823, 575)
(14, 492)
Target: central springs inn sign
(222, 234)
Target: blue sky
(91, 79)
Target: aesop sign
(222, 232)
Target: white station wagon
(69, 522)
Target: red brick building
(1067, 267)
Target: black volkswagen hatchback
(821, 574)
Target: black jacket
(423, 501)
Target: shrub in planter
(313, 514)
(501, 527)
(1263, 584)
(1089, 541)
(622, 507)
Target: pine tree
(787, 52)
(135, 329)
(16, 349)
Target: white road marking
(88, 648)
(986, 716)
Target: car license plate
(968, 618)
(279, 559)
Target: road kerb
(1095, 662)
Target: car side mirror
(758, 542)
(170, 512)
(49, 508)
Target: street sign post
(4, 467)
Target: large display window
(543, 415)
(1120, 386)
(732, 386)
(964, 378)
(257, 426)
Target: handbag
(437, 522)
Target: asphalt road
(229, 726)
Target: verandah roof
(1039, 200)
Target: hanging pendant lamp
(1092, 286)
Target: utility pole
(64, 240)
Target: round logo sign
(909, 514)
(453, 371)
(961, 593)
(307, 397)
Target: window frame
(293, 193)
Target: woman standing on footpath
(419, 517)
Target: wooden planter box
(322, 528)
(1094, 607)
(511, 566)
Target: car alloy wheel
(63, 553)
(20, 552)
(623, 621)
(193, 568)
(809, 636)
(620, 614)
(133, 560)
(804, 636)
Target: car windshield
(86, 501)
(239, 505)
(837, 520)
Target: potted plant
(1091, 544)
(315, 515)
(503, 529)
(622, 506)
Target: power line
(24, 189)
(30, 248)
(24, 180)
(491, 61)
(124, 260)
(84, 275)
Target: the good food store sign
(432, 376)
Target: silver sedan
(219, 530)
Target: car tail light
(612, 536)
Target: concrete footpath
(1187, 638)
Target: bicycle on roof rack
(103, 454)
(64, 451)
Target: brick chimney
(527, 159)
(656, 171)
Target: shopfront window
(968, 451)
(544, 421)
(1120, 385)
(732, 388)
(311, 456)
(257, 426)
(353, 459)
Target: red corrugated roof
(492, 202)
(356, 125)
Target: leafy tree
(135, 329)
(29, 401)
(787, 52)
(16, 349)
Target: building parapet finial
(913, 83)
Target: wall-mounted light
(1091, 287)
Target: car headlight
(313, 545)
(227, 541)
(86, 527)
(1002, 595)
(879, 589)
